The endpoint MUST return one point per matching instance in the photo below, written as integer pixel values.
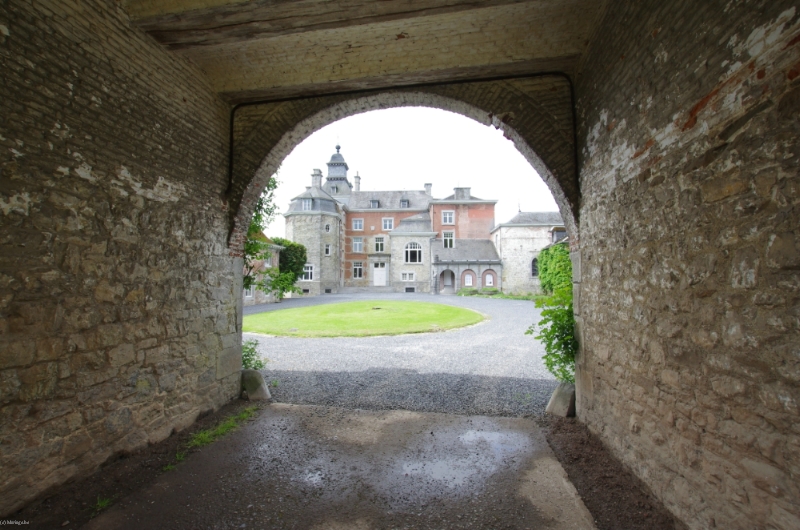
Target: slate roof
(466, 250)
(416, 223)
(536, 219)
(417, 200)
(322, 201)
(453, 198)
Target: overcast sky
(403, 148)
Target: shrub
(489, 290)
(557, 332)
(555, 268)
(467, 291)
(250, 358)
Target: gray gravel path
(491, 368)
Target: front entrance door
(379, 274)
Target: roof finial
(519, 208)
(337, 147)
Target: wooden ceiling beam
(176, 25)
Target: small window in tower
(404, 203)
(327, 228)
(334, 189)
(374, 204)
(307, 204)
(327, 250)
(448, 238)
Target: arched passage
(538, 108)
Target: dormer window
(334, 189)
(374, 204)
(307, 204)
(404, 203)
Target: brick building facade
(402, 241)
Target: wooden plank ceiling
(262, 49)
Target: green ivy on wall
(555, 268)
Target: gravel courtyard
(491, 368)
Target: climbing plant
(555, 268)
(556, 329)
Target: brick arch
(487, 273)
(474, 278)
(265, 134)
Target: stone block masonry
(689, 265)
(117, 290)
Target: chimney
(316, 179)
(428, 188)
(462, 194)
(357, 181)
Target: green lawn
(361, 319)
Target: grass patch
(168, 467)
(208, 436)
(361, 319)
(101, 504)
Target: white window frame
(249, 292)
(409, 276)
(308, 273)
(334, 189)
(307, 204)
(416, 248)
(448, 217)
(358, 244)
(358, 269)
(448, 239)
(388, 223)
(358, 224)
(327, 249)
(489, 280)
(379, 244)
(374, 203)
(468, 280)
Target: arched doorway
(447, 282)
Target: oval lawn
(360, 319)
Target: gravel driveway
(491, 368)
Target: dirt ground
(215, 481)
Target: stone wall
(689, 270)
(118, 296)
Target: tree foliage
(293, 257)
(555, 268)
(256, 247)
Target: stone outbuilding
(518, 244)
(469, 263)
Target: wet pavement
(317, 467)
